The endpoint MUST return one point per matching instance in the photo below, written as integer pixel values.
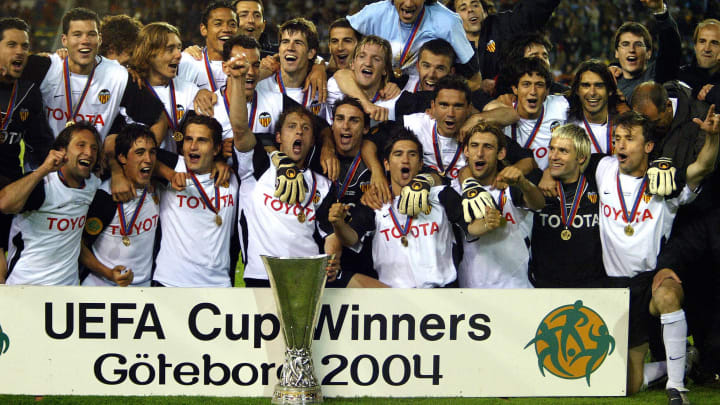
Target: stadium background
(579, 29)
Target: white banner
(377, 343)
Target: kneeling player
(119, 237)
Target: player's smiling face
(251, 78)
(472, 13)
(632, 54)
(221, 26)
(631, 150)
(296, 137)
(403, 163)
(531, 92)
(82, 42)
(164, 63)
(482, 154)
(592, 93)
(199, 149)
(140, 161)
(14, 48)
(295, 55)
(450, 110)
(342, 42)
(369, 65)
(563, 160)
(82, 153)
(432, 68)
(250, 18)
(348, 129)
(408, 10)
(707, 47)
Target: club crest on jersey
(554, 125)
(503, 200)
(265, 119)
(364, 187)
(490, 47)
(24, 114)
(316, 197)
(572, 342)
(104, 96)
(180, 111)
(93, 226)
(315, 109)
(646, 197)
(593, 197)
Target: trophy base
(297, 395)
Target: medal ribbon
(11, 107)
(408, 221)
(61, 176)
(342, 188)
(438, 154)
(312, 193)
(636, 204)
(121, 215)
(173, 105)
(281, 86)
(410, 40)
(204, 196)
(208, 69)
(375, 97)
(253, 107)
(72, 111)
(594, 140)
(567, 219)
(417, 86)
(535, 130)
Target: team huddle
(433, 149)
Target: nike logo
(606, 193)
(676, 358)
(386, 215)
(59, 95)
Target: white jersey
(195, 251)
(45, 243)
(499, 258)
(554, 114)
(268, 107)
(623, 255)
(413, 84)
(426, 262)
(449, 149)
(334, 94)
(272, 227)
(195, 71)
(600, 136)
(109, 249)
(102, 101)
(271, 85)
(184, 97)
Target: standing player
(539, 112)
(119, 35)
(343, 39)
(593, 102)
(633, 226)
(53, 201)
(119, 237)
(498, 256)
(219, 24)
(270, 226)
(569, 221)
(88, 87)
(703, 75)
(197, 219)
(156, 60)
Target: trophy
(297, 285)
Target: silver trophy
(297, 284)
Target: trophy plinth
(297, 284)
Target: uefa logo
(572, 342)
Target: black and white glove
(661, 177)
(475, 200)
(414, 196)
(290, 186)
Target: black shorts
(640, 295)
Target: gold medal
(126, 240)
(225, 184)
(301, 217)
(398, 72)
(69, 124)
(178, 136)
(218, 220)
(629, 231)
(404, 241)
(565, 234)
